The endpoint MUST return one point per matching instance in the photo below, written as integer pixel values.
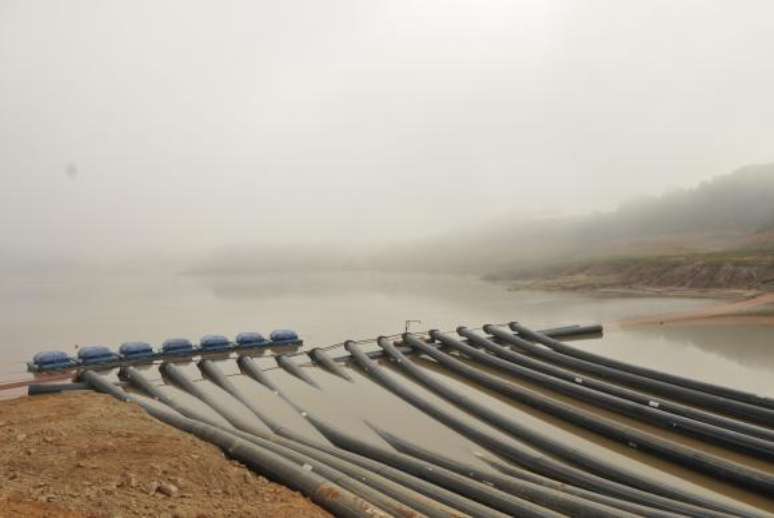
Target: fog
(177, 132)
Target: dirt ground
(757, 310)
(88, 455)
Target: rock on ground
(88, 455)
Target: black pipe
(211, 371)
(584, 389)
(695, 459)
(97, 382)
(396, 498)
(286, 363)
(574, 331)
(476, 491)
(140, 383)
(36, 389)
(571, 332)
(547, 497)
(520, 473)
(673, 379)
(697, 398)
(430, 490)
(401, 493)
(177, 377)
(616, 390)
(319, 356)
(424, 488)
(525, 457)
(292, 439)
(332, 496)
(523, 474)
(339, 477)
(688, 457)
(512, 504)
(248, 366)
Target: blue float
(51, 360)
(95, 354)
(285, 337)
(215, 343)
(136, 350)
(143, 352)
(177, 346)
(251, 339)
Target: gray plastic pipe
(396, 484)
(320, 490)
(627, 435)
(694, 459)
(464, 504)
(583, 495)
(296, 370)
(476, 491)
(546, 497)
(177, 377)
(574, 377)
(327, 363)
(36, 389)
(694, 396)
(702, 386)
(211, 371)
(535, 462)
(401, 493)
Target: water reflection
(748, 345)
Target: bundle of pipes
(538, 476)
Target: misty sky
(164, 127)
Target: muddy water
(350, 405)
(614, 452)
(59, 313)
(330, 308)
(62, 313)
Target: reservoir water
(65, 312)
(328, 308)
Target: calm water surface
(60, 313)
(328, 308)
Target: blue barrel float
(51, 361)
(96, 354)
(136, 351)
(177, 347)
(212, 343)
(143, 352)
(285, 337)
(251, 339)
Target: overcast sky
(189, 125)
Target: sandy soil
(88, 455)
(758, 310)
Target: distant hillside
(732, 212)
(689, 233)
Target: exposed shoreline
(736, 305)
(722, 275)
(82, 455)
